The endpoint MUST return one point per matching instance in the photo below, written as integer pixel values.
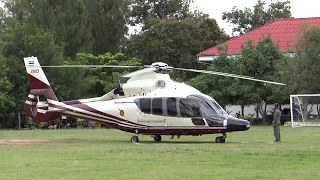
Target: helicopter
(149, 103)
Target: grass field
(109, 154)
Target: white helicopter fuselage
(146, 85)
(148, 103)
(124, 112)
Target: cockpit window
(189, 108)
(145, 105)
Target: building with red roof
(282, 31)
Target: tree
(248, 19)
(6, 98)
(176, 42)
(67, 20)
(99, 81)
(143, 10)
(25, 41)
(306, 65)
(109, 21)
(225, 90)
(259, 61)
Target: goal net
(305, 110)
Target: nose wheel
(221, 139)
(135, 138)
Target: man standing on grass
(276, 122)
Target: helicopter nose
(235, 124)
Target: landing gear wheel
(134, 139)
(220, 139)
(157, 138)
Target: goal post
(305, 110)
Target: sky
(299, 8)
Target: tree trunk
(262, 107)
(242, 110)
(264, 117)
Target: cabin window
(171, 107)
(145, 105)
(157, 106)
(189, 108)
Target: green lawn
(109, 154)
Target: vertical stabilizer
(40, 86)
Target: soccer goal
(305, 110)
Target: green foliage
(144, 10)
(248, 19)
(259, 61)
(91, 26)
(25, 41)
(109, 24)
(101, 80)
(6, 98)
(67, 20)
(306, 65)
(224, 89)
(176, 42)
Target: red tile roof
(282, 32)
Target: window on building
(157, 106)
(189, 108)
(171, 107)
(145, 105)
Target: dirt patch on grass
(23, 141)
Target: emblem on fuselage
(121, 112)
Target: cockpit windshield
(208, 105)
(214, 105)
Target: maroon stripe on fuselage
(103, 114)
(112, 124)
(88, 108)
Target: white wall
(233, 109)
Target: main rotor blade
(142, 71)
(77, 66)
(229, 75)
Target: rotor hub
(160, 66)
